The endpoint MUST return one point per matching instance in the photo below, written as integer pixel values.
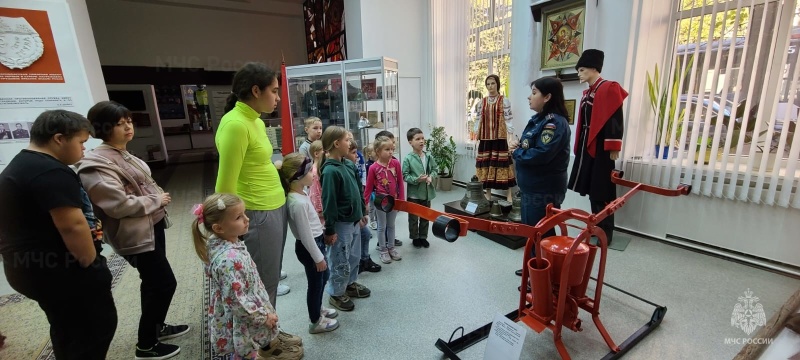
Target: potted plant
(665, 103)
(442, 148)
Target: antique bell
(474, 195)
(516, 209)
(497, 211)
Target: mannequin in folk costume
(493, 165)
(598, 139)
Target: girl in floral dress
(241, 318)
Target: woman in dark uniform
(542, 154)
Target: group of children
(329, 189)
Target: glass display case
(360, 95)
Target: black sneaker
(342, 302)
(398, 242)
(172, 331)
(371, 266)
(159, 351)
(417, 244)
(425, 243)
(356, 290)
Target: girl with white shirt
(310, 247)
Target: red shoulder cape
(607, 99)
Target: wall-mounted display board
(41, 68)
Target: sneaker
(358, 291)
(283, 289)
(159, 351)
(395, 254)
(283, 275)
(371, 266)
(278, 351)
(172, 331)
(398, 242)
(425, 243)
(342, 302)
(323, 325)
(385, 258)
(373, 225)
(328, 313)
(289, 339)
(417, 243)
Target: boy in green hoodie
(419, 169)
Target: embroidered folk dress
(493, 165)
(237, 314)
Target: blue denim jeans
(366, 235)
(316, 279)
(534, 208)
(344, 256)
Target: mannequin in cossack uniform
(493, 165)
(598, 139)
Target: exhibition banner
(41, 68)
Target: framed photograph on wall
(571, 111)
(562, 39)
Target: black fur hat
(591, 58)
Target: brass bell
(497, 211)
(516, 209)
(474, 195)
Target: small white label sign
(471, 207)
(505, 339)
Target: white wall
(147, 34)
(397, 30)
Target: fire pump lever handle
(616, 177)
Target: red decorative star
(564, 36)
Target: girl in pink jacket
(385, 178)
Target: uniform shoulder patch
(547, 136)
(550, 126)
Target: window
(488, 49)
(726, 108)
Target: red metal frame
(568, 299)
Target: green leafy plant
(665, 101)
(443, 149)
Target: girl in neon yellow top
(246, 170)
(245, 165)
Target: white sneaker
(283, 289)
(385, 257)
(394, 254)
(329, 313)
(323, 325)
(283, 275)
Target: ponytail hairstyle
(295, 166)
(552, 86)
(251, 74)
(210, 212)
(329, 137)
